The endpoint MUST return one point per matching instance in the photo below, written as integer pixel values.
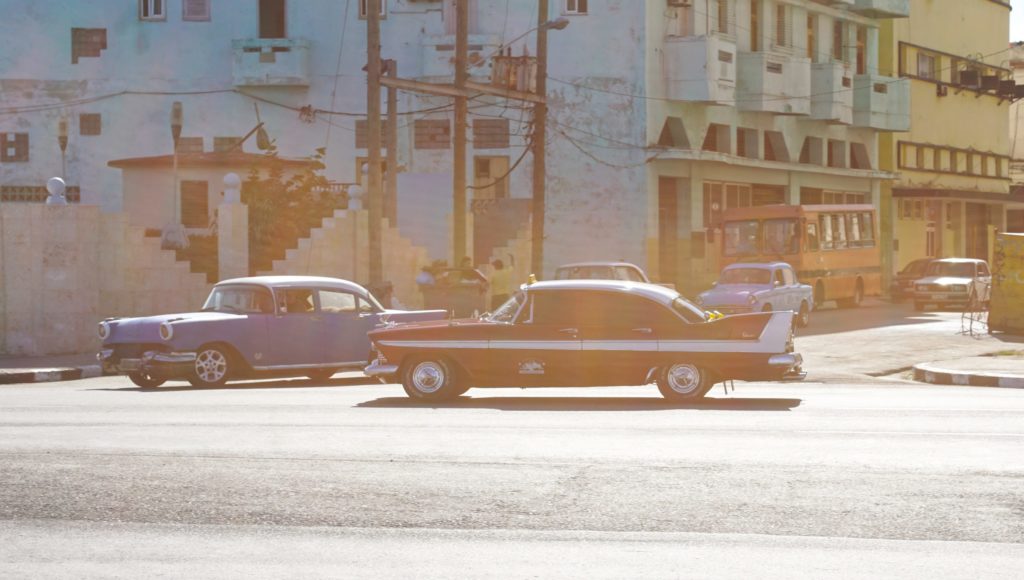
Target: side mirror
(715, 283)
(777, 283)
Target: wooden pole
(373, 129)
(459, 163)
(540, 113)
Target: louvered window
(195, 10)
(195, 204)
(783, 26)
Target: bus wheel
(819, 294)
(855, 300)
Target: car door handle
(643, 330)
(572, 331)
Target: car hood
(147, 328)
(944, 280)
(731, 293)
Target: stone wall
(65, 268)
(338, 248)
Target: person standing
(501, 284)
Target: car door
(346, 318)
(295, 328)
(541, 347)
(983, 281)
(619, 335)
(790, 288)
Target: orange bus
(833, 248)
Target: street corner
(998, 370)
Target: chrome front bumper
(378, 369)
(162, 363)
(791, 362)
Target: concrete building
(661, 113)
(953, 190)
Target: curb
(50, 375)
(929, 374)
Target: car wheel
(320, 375)
(919, 306)
(767, 308)
(212, 368)
(803, 318)
(146, 380)
(683, 382)
(431, 379)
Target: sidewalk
(41, 369)
(976, 371)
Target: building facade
(953, 187)
(662, 113)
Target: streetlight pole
(540, 114)
(177, 120)
(459, 152)
(373, 129)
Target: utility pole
(540, 118)
(373, 130)
(391, 176)
(459, 165)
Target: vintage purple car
(272, 325)
(759, 287)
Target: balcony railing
(264, 62)
(773, 83)
(881, 103)
(882, 8)
(832, 92)
(700, 68)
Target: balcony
(831, 92)
(881, 103)
(882, 8)
(700, 69)
(439, 57)
(773, 83)
(270, 62)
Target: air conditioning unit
(680, 3)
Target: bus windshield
(741, 238)
(773, 237)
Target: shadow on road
(294, 383)
(874, 314)
(586, 404)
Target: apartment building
(953, 186)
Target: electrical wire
(337, 68)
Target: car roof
(762, 265)
(293, 281)
(652, 291)
(590, 264)
(959, 260)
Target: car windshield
(916, 267)
(507, 311)
(585, 273)
(688, 311)
(952, 269)
(746, 276)
(244, 299)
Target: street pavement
(858, 472)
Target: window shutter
(195, 204)
(196, 9)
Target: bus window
(867, 230)
(853, 229)
(741, 238)
(781, 237)
(812, 237)
(838, 232)
(826, 232)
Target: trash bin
(460, 291)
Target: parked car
(954, 282)
(285, 325)
(605, 271)
(759, 287)
(903, 285)
(586, 333)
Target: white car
(954, 282)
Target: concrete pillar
(232, 231)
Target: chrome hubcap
(684, 379)
(211, 366)
(428, 377)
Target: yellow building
(953, 186)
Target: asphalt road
(842, 476)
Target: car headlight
(103, 330)
(166, 331)
(752, 299)
(959, 288)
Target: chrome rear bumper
(791, 362)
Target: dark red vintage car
(585, 333)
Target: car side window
(336, 302)
(779, 281)
(983, 270)
(788, 276)
(295, 301)
(628, 273)
(365, 307)
(555, 308)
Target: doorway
(272, 14)
(668, 228)
(977, 231)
